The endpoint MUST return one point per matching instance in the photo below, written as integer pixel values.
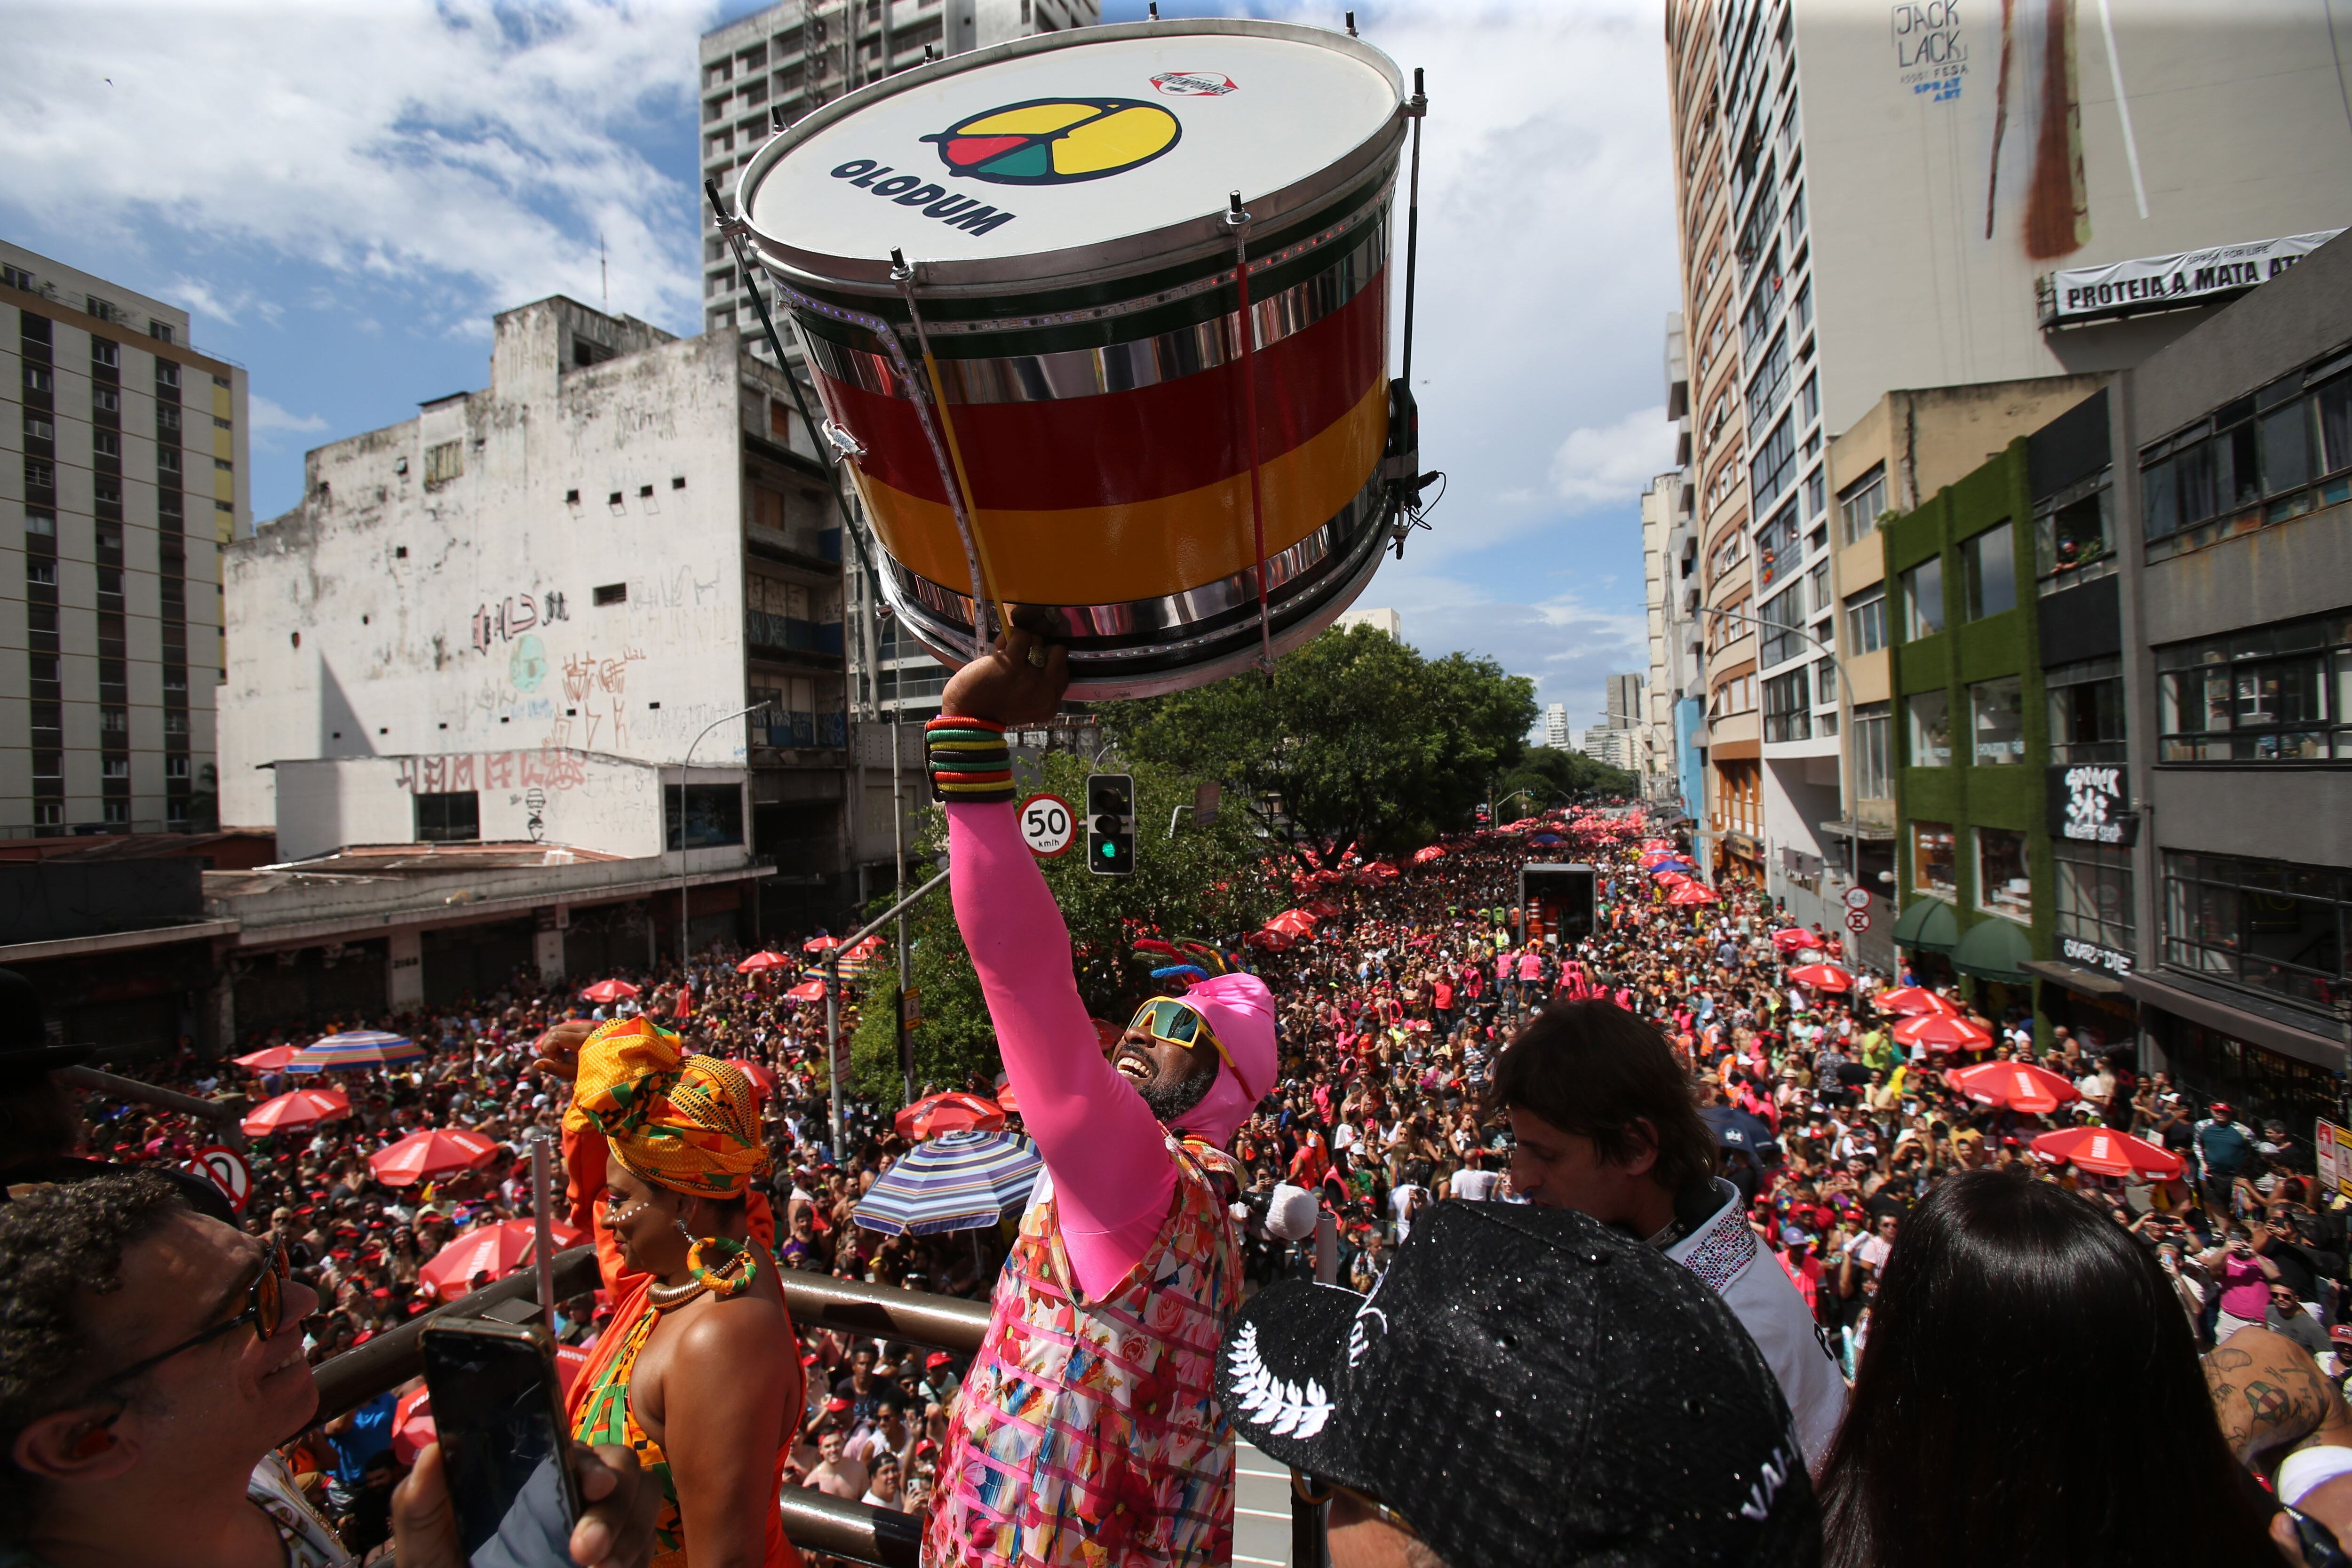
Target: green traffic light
(1110, 851)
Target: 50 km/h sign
(1048, 826)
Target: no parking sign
(225, 1169)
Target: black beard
(1168, 1102)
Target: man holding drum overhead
(1090, 1430)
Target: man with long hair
(1603, 1121)
(1090, 1431)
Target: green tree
(1209, 882)
(1549, 775)
(1359, 740)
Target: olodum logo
(1056, 141)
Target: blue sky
(344, 194)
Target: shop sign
(2091, 956)
(2332, 1147)
(2091, 804)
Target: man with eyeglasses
(1088, 1430)
(150, 1360)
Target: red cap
(936, 1360)
(836, 1407)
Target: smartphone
(498, 1408)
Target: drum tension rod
(1238, 221)
(953, 477)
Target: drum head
(1044, 161)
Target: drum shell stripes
(1093, 390)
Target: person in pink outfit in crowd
(1089, 1431)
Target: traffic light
(1110, 824)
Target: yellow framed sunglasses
(1165, 1019)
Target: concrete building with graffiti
(518, 635)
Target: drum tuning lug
(1233, 213)
(776, 119)
(1352, 24)
(1418, 104)
(900, 271)
(1155, 10)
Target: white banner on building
(2075, 294)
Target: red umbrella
(496, 1250)
(436, 1152)
(1106, 1035)
(303, 1108)
(765, 959)
(763, 1080)
(1382, 871)
(1692, 893)
(1821, 978)
(2014, 1086)
(955, 1111)
(866, 949)
(1908, 999)
(2106, 1153)
(820, 944)
(1433, 852)
(806, 991)
(608, 991)
(273, 1060)
(1273, 941)
(1670, 881)
(1292, 922)
(1006, 1101)
(1942, 1032)
(411, 1425)
(1793, 938)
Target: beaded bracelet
(969, 760)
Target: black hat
(1525, 1387)
(25, 1048)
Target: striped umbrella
(958, 1181)
(354, 1048)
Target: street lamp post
(684, 943)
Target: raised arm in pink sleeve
(1106, 1152)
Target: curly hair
(56, 1242)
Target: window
(1788, 706)
(43, 524)
(1932, 864)
(453, 818)
(40, 476)
(1809, 400)
(221, 424)
(2075, 535)
(1816, 494)
(2279, 693)
(1774, 464)
(1805, 306)
(2259, 459)
(16, 278)
(166, 373)
(612, 594)
(1782, 617)
(38, 429)
(1860, 504)
(1922, 599)
(1776, 547)
(102, 350)
(1817, 589)
(2092, 895)
(160, 330)
(2003, 888)
(106, 444)
(1874, 761)
(1865, 621)
(37, 379)
(1990, 562)
(1997, 722)
(105, 400)
(2268, 925)
(224, 465)
(1766, 387)
(1931, 728)
(444, 462)
(2086, 711)
(714, 815)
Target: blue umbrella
(356, 1048)
(958, 1181)
(1546, 839)
(1663, 866)
(1736, 1130)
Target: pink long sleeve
(1105, 1152)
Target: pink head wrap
(1239, 1009)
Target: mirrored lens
(1176, 1022)
(269, 1299)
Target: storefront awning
(1928, 925)
(1995, 949)
(2074, 977)
(1847, 828)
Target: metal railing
(887, 1538)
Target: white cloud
(263, 415)
(468, 151)
(1613, 462)
(1567, 641)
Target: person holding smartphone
(699, 1372)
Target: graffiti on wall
(546, 769)
(596, 689)
(513, 615)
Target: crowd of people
(1390, 1021)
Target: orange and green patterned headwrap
(687, 1123)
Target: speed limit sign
(1048, 826)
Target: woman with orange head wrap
(699, 1371)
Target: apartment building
(127, 477)
(1669, 751)
(1947, 198)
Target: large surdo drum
(1051, 401)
